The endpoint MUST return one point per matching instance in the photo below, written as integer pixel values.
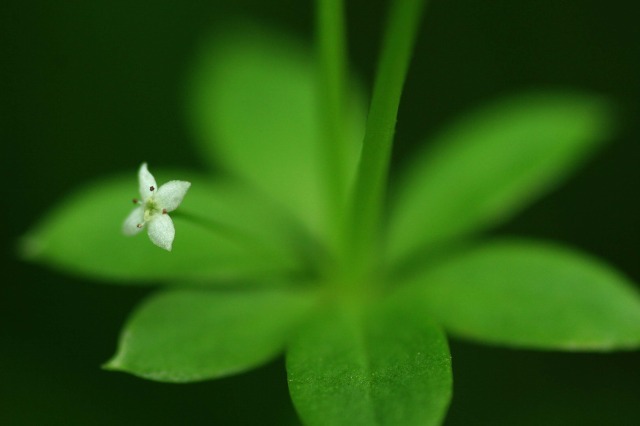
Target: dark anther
(151, 188)
(164, 211)
(135, 201)
(139, 225)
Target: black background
(90, 88)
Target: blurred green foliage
(91, 88)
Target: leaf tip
(29, 247)
(114, 364)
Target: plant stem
(332, 59)
(363, 222)
(238, 236)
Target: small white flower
(153, 208)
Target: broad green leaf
(386, 366)
(531, 295)
(83, 235)
(254, 106)
(491, 163)
(192, 335)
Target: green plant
(297, 247)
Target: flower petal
(135, 218)
(161, 231)
(170, 194)
(146, 182)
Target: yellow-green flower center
(150, 209)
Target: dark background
(88, 88)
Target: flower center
(151, 208)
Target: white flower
(153, 208)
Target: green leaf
(532, 295)
(386, 366)
(192, 335)
(83, 235)
(491, 163)
(254, 106)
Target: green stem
(238, 236)
(371, 180)
(332, 59)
